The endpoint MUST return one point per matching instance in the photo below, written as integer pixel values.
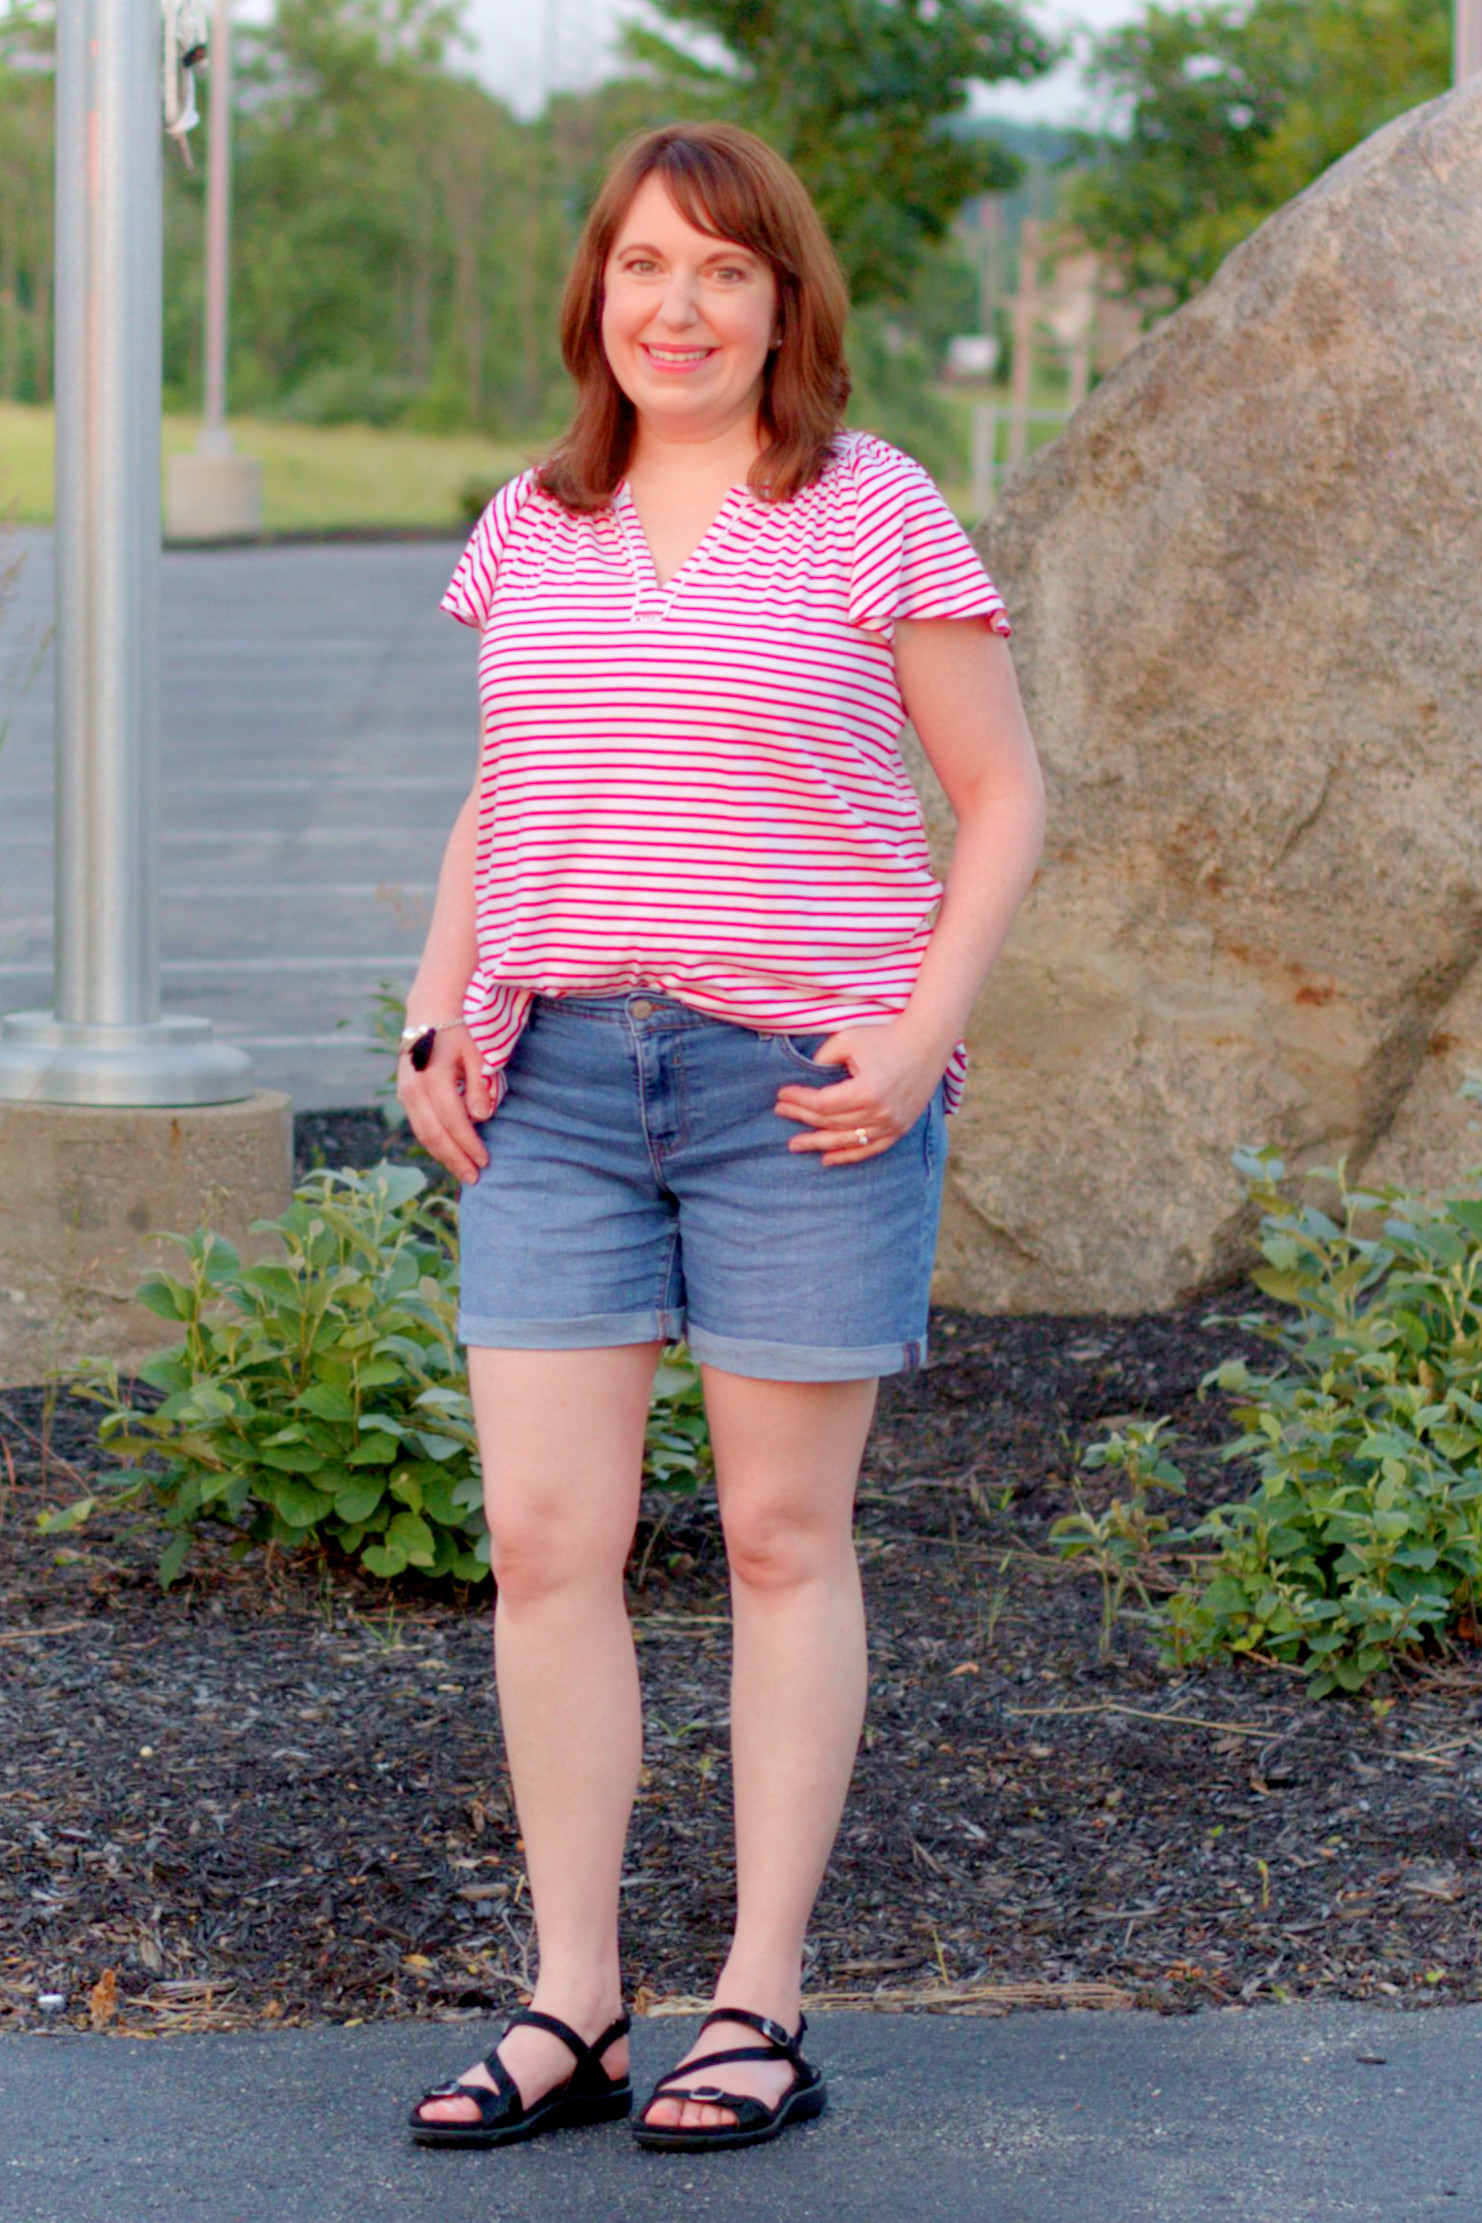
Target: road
(319, 731)
(1271, 2115)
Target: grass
(314, 476)
(318, 477)
(1049, 393)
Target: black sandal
(755, 2122)
(589, 2094)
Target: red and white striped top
(697, 787)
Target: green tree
(860, 95)
(395, 251)
(25, 203)
(1231, 109)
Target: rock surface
(1247, 590)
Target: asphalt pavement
(319, 732)
(1268, 2115)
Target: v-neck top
(696, 787)
(625, 509)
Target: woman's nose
(677, 308)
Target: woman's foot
(537, 2060)
(762, 2080)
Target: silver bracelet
(417, 1041)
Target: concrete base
(86, 1198)
(211, 497)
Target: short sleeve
(911, 557)
(470, 592)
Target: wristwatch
(417, 1040)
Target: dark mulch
(276, 1796)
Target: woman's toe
(447, 2111)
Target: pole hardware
(106, 1040)
(185, 51)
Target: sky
(524, 45)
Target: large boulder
(1247, 590)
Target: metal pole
(109, 231)
(215, 439)
(984, 458)
(1467, 46)
(106, 1042)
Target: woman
(685, 1031)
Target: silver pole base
(46, 1060)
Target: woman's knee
(778, 1547)
(536, 1552)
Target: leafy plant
(321, 1396)
(676, 1452)
(1120, 1541)
(318, 1395)
(1365, 1537)
(385, 1019)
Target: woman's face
(687, 320)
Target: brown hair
(732, 186)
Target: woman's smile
(675, 358)
(681, 307)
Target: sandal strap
(772, 2031)
(489, 2104)
(749, 2111)
(616, 2029)
(504, 2102)
(779, 2044)
(537, 2019)
(715, 2060)
(504, 2083)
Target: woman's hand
(893, 1075)
(444, 1101)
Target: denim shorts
(640, 1189)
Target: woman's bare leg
(561, 1440)
(787, 1462)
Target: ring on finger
(862, 1134)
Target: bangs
(720, 198)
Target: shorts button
(642, 1008)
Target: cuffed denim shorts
(640, 1189)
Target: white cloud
(526, 45)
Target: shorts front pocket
(793, 1048)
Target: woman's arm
(451, 950)
(962, 696)
(443, 1102)
(958, 684)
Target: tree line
(1227, 110)
(400, 236)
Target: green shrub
(347, 393)
(321, 1396)
(1121, 1540)
(318, 1395)
(1365, 1536)
(474, 497)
